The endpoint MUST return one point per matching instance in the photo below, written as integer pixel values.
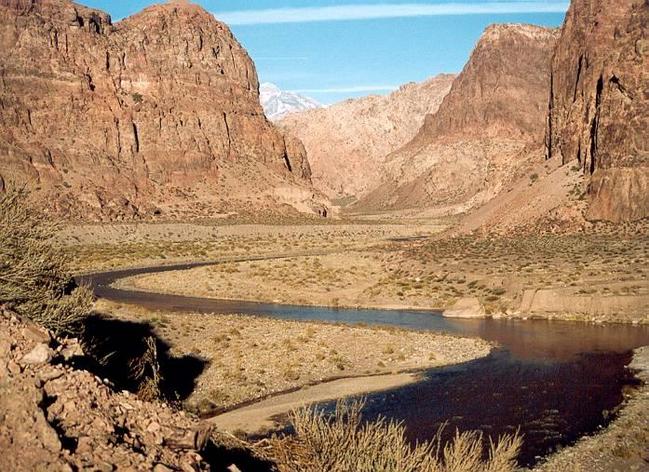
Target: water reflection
(556, 381)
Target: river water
(552, 381)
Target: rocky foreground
(54, 417)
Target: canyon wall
(156, 114)
(488, 126)
(599, 104)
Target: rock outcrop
(158, 113)
(468, 307)
(347, 143)
(55, 417)
(487, 127)
(599, 104)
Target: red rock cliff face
(114, 120)
(599, 104)
(488, 126)
(501, 90)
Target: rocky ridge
(599, 104)
(347, 143)
(156, 114)
(487, 130)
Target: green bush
(34, 281)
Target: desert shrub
(342, 442)
(34, 281)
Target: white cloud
(368, 11)
(354, 89)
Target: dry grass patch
(34, 277)
(342, 442)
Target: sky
(332, 50)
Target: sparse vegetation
(34, 278)
(342, 442)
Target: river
(552, 381)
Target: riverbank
(272, 413)
(251, 357)
(595, 277)
(622, 446)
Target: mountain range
(160, 115)
(347, 143)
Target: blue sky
(337, 49)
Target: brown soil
(597, 275)
(96, 247)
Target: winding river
(552, 381)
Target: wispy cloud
(354, 89)
(396, 10)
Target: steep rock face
(348, 142)
(599, 104)
(487, 127)
(501, 89)
(160, 110)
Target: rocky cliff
(488, 126)
(599, 104)
(347, 143)
(158, 113)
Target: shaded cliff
(599, 104)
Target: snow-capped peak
(278, 103)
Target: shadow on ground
(221, 457)
(131, 355)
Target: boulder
(41, 354)
(468, 307)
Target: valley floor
(598, 276)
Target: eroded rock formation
(347, 143)
(490, 123)
(599, 104)
(156, 113)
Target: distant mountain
(489, 125)
(347, 143)
(279, 103)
